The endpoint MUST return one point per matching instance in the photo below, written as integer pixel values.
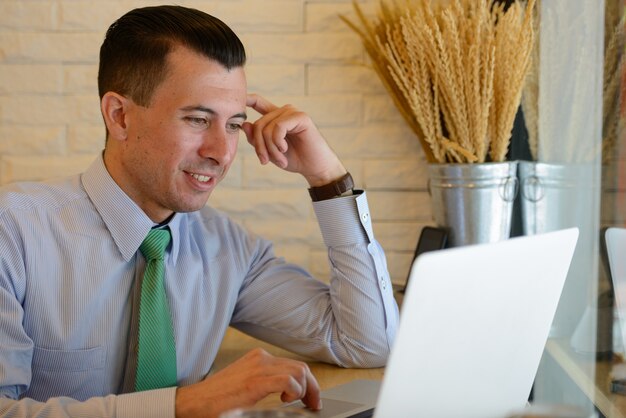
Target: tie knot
(153, 246)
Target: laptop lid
(616, 251)
(473, 326)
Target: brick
(243, 147)
(80, 79)
(400, 206)
(87, 16)
(50, 47)
(264, 176)
(265, 205)
(35, 110)
(355, 167)
(401, 174)
(296, 254)
(376, 141)
(49, 110)
(350, 79)
(22, 15)
(327, 111)
(324, 17)
(302, 233)
(261, 16)
(40, 168)
(301, 48)
(276, 79)
(27, 79)
(258, 176)
(398, 236)
(380, 109)
(399, 265)
(29, 140)
(86, 139)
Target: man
(76, 322)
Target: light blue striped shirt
(68, 262)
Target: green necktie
(156, 352)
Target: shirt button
(365, 216)
(383, 283)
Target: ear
(114, 108)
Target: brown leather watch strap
(334, 189)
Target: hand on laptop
(245, 382)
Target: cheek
(234, 145)
(232, 149)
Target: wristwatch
(334, 189)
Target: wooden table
(236, 344)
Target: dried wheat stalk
(454, 70)
(530, 91)
(613, 68)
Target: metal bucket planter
(473, 201)
(551, 195)
(557, 196)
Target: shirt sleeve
(351, 322)
(149, 404)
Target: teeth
(201, 178)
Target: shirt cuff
(149, 404)
(345, 220)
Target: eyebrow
(210, 111)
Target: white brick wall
(299, 52)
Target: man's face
(182, 145)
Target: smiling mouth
(200, 177)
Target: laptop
(616, 251)
(473, 326)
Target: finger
(301, 377)
(268, 136)
(276, 157)
(276, 144)
(260, 104)
(246, 127)
(312, 397)
(256, 140)
(289, 388)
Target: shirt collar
(126, 222)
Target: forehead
(192, 77)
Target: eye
(233, 127)
(196, 121)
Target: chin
(191, 206)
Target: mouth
(200, 177)
(202, 181)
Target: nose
(218, 146)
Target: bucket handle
(511, 183)
(532, 189)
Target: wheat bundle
(613, 73)
(455, 71)
(613, 70)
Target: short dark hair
(133, 56)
